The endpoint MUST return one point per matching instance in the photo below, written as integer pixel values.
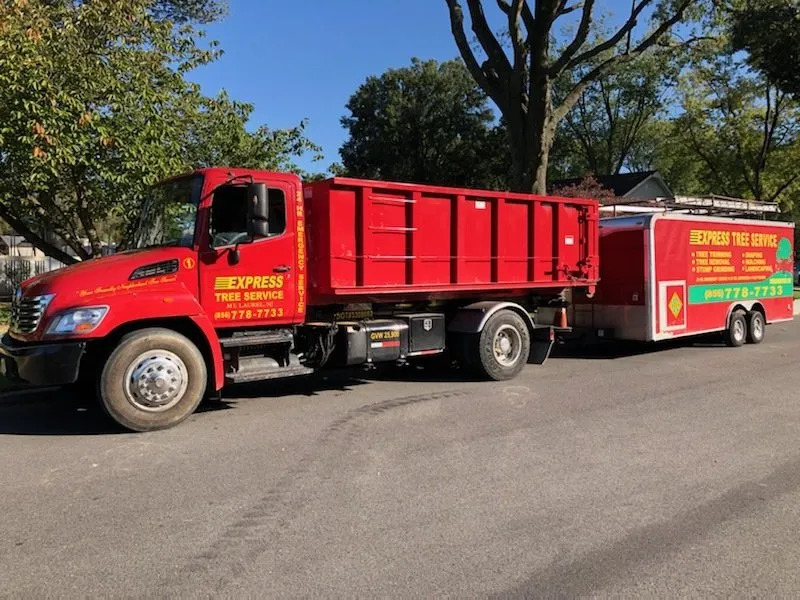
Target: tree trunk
(91, 232)
(541, 135)
(543, 141)
(520, 175)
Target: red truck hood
(108, 275)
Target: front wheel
(154, 379)
(504, 346)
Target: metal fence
(15, 269)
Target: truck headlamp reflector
(78, 320)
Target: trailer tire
(736, 333)
(503, 346)
(756, 327)
(154, 379)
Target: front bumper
(39, 365)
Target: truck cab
(214, 251)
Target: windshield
(168, 215)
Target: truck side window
(229, 215)
(277, 211)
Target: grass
(797, 294)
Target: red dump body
(370, 240)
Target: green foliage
(769, 30)
(426, 123)
(95, 107)
(606, 131)
(737, 135)
(217, 135)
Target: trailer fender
(746, 306)
(473, 317)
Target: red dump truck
(240, 275)
(670, 275)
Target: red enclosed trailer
(667, 275)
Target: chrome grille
(26, 313)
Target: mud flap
(542, 342)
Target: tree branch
(580, 38)
(46, 214)
(35, 239)
(85, 218)
(491, 87)
(527, 16)
(782, 188)
(706, 159)
(565, 10)
(574, 94)
(487, 39)
(626, 28)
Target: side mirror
(257, 210)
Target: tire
(503, 347)
(756, 327)
(154, 379)
(736, 333)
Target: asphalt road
(657, 474)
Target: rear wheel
(756, 327)
(503, 347)
(154, 379)
(736, 334)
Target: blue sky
(304, 59)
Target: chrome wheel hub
(739, 329)
(507, 345)
(758, 328)
(156, 381)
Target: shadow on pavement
(63, 412)
(309, 385)
(609, 350)
(52, 412)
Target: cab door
(246, 282)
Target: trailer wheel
(736, 334)
(503, 347)
(756, 327)
(154, 379)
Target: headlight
(78, 320)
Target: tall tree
(426, 123)
(604, 131)
(520, 80)
(737, 135)
(94, 107)
(769, 30)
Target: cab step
(258, 338)
(263, 368)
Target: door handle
(282, 269)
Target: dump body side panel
(371, 239)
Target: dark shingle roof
(619, 184)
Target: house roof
(621, 184)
